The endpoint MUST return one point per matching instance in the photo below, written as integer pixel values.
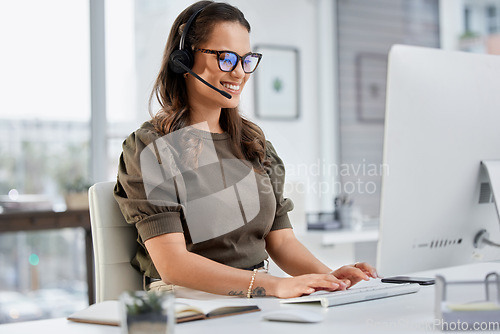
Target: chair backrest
(114, 244)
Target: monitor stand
(492, 168)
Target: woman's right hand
(290, 287)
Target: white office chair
(114, 244)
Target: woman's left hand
(354, 273)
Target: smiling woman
(201, 183)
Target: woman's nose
(238, 71)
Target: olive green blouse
(191, 182)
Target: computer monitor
(442, 120)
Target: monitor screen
(442, 120)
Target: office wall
(366, 32)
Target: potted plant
(76, 193)
(147, 312)
(71, 175)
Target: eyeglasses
(228, 60)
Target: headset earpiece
(183, 55)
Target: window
(492, 20)
(46, 108)
(121, 105)
(44, 132)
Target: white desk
(341, 236)
(339, 247)
(403, 314)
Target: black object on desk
(408, 279)
(322, 221)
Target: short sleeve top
(191, 182)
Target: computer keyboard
(376, 290)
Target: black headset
(181, 61)
(183, 55)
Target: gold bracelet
(249, 292)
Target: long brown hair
(247, 139)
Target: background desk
(402, 314)
(338, 247)
(47, 220)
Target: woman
(201, 183)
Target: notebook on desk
(374, 290)
(108, 312)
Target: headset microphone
(187, 69)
